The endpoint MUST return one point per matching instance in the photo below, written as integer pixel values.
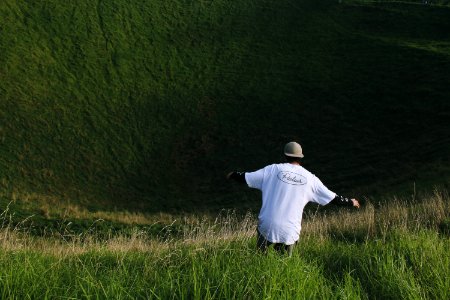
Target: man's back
(286, 189)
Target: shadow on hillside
(293, 69)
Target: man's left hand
(355, 203)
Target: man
(286, 189)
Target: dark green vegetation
(147, 104)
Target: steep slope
(148, 103)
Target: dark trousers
(262, 244)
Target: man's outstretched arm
(237, 176)
(344, 201)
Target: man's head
(293, 152)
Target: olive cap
(293, 149)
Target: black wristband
(238, 176)
(341, 201)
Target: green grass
(146, 105)
(113, 112)
(396, 251)
(402, 268)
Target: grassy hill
(147, 104)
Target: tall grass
(395, 251)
